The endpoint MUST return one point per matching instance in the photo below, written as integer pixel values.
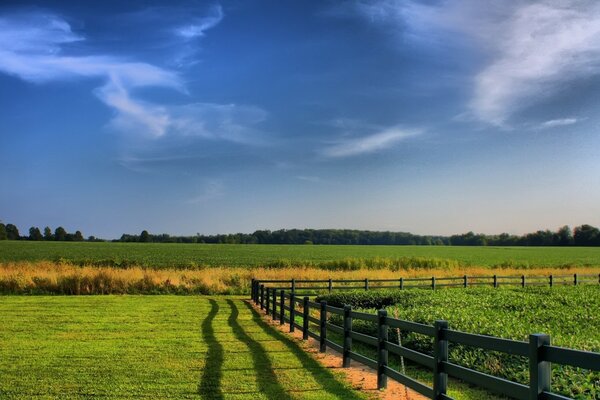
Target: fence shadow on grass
(210, 382)
(322, 376)
(265, 374)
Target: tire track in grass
(210, 382)
(265, 374)
(328, 381)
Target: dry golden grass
(57, 278)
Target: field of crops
(163, 255)
(167, 347)
(570, 315)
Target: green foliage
(48, 233)
(60, 234)
(35, 234)
(571, 315)
(163, 255)
(145, 237)
(12, 232)
(3, 235)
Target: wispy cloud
(198, 26)
(213, 189)
(368, 144)
(32, 47)
(313, 179)
(544, 46)
(559, 122)
(529, 50)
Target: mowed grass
(168, 347)
(163, 255)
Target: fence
(538, 350)
(315, 285)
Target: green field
(197, 255)
(152, 347)
(570, 315)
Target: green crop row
(334, 257)
(570, 315)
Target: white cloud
(529, 49)
(213, 189)
(559, 122)
(313, 179)
(368, 144)
(31, 48)
(202, 24)
(545, 45)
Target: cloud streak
(553, 123)
(544, 46)
(528, 50)
(32, 47)
(368, 144)
(200, 25)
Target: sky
(185, 117)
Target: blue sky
(434, 117)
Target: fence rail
(538, 350)
(313, 286)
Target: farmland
(168, 255)
(152, 347)
(570, 315)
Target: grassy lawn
(152, 347)
(164, 255)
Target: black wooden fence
(289, 307)
(329, 285)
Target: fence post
(495, 281)
(292, 311)
(305, 313)
(293, 285)
(574, 279)
(366, 283)
(551, 279)
(330, 285)
(433, 282)
(440, 354)
(262, 296)
(522, 280)
(382, 353)
(347, 344)
(465, 281)
(252, 290)
(401, 283)
(274, 305)
(539, 370)
(323, 326)
(282, 307)
(268, 301)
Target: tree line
(11, 232)
(584, 235)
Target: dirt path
(360, 376)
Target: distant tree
(564, 236)
(78, 236)
(3, 235)
(584, 235)
(145, 237)
(60, 234)
(35, 234)
(48, 233)
(12, 232)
